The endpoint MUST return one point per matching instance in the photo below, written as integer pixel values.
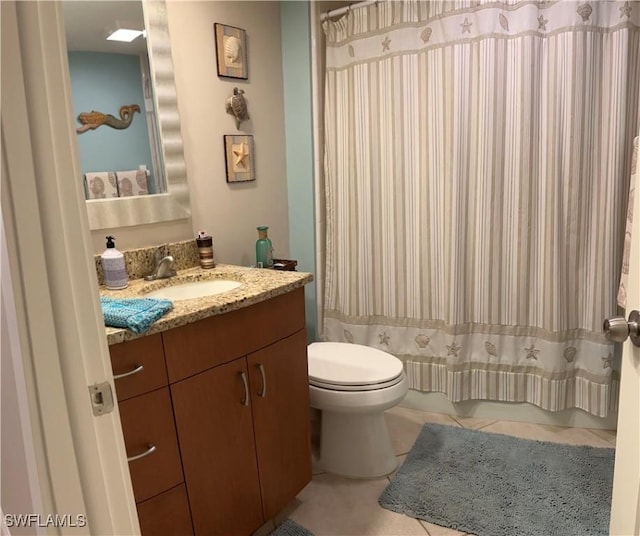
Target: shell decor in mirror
(237, 106)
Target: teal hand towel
(136, 314)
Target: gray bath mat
(497, 485)
(290, 528)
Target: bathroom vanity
(215, 409)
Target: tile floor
(336, 506)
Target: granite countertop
(257, 285)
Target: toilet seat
(341, 366)
(363, 387)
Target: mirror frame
(174, 204)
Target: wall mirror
(107, 75)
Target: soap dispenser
(113, 267)
(264, 249)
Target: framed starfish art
(239, 158)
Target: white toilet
(352, 385)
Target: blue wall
(105, 82)
(296, 60)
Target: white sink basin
(195, 289)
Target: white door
(625, 505)
(81, 459)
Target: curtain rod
(345, 9)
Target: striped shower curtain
(477, 164)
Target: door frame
(625, 501)
(81, 458)
(55, 287)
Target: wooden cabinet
(280, 405)
(213, 415)
(167, 513)
(219, 339)
(147, 425)
(146, 415)
(231, 413)
(138, 366)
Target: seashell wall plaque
(231, 51)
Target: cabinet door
(140, 365)
(148, 420)
(215, 432)
(166, 514)
(280, 395)
(222, 338)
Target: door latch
(617, 329)
(101, 397)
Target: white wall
(19, 487)
(229, 212)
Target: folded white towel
(101, 184)
(132, 182)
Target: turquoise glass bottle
(264, 249)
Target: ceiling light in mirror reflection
(125, 35)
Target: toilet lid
(338, 365)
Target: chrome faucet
(163, 265)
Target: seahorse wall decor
(92, 120)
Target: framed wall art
(239, 158)
(231, 51)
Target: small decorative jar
(205, 250)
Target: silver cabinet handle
(139, 368)
(245, 401)
(263, 392)
(150, 450)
